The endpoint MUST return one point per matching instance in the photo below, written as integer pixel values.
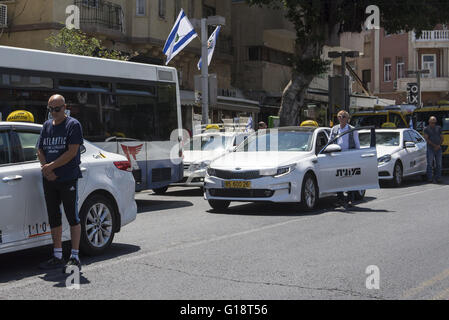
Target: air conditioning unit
(3, 16)
(395, 84)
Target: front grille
(236, 175)
(241, 193)
(186, 166)
(160, 174)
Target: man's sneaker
(72, 262)
(53, 263)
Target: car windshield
(209, 142)
(274, 140)
(390, 139)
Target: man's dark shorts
(66, 192)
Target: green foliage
(74, 41)
(316, 22)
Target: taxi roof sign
(20, 116)
(309, 123)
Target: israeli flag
(249, 124)
(211, 46)
(179, 37)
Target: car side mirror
(332, 148)
(410, 145)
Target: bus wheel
(160, 191)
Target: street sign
(413, 93)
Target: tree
(75, 41)
(318, 22)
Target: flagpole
(204, 72)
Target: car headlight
(276, 172)
(211, 172)
(199, 165)
(384, 159)
(204, 164)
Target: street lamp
(343, 55)
(209, 21)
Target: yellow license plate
(237, 184)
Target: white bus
(124, 107)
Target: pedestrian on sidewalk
(59, 155)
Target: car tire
(397, 175)
(309, 192)
(359, 195)
(160, 191)
(96, 234)
(219, 205)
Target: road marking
(428, 283)
(36, 279)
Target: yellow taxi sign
(20, 116)
(212, 127)
(309, 123)
(388, 125)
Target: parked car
(291, 164)
(401, 153)
(105, 193)
(202, 149)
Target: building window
(191, 8)
(400, 66)
(140, 7)
(387, 70)
(162, 8)
(366, 78)
(429, 62)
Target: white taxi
(401, 153)
(105, 194)
(202, 149)
(292, 164)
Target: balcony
(101, 16)
(432, 39)
(427, 84)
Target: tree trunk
(293, 99)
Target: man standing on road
(434, 137)
(59, 155)
(346, 142)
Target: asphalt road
(178, 248)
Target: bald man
(59, 155)
(434, 137)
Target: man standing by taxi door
(434, 137)
(59, 155)
(347, 142)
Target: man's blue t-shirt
(55, 140)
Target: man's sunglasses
(54, 109)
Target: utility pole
(343, 55)
(204, 23)
(418, 74)
(204, 72)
